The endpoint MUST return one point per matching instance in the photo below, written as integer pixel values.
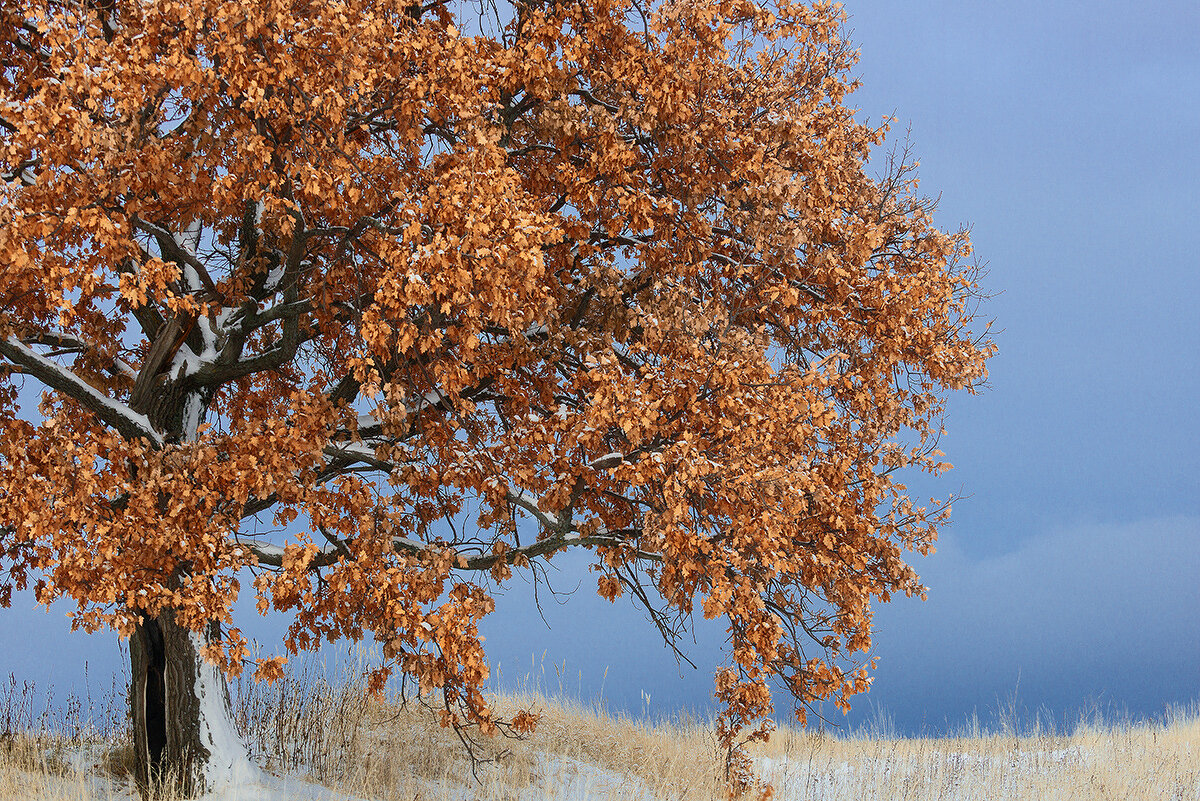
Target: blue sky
(1065, 135)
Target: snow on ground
(950, 776)
(90, 782)
(101, 788)
(580, 781)
(273, 788)
(945, 775)
(559, 778)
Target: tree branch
(176, 252)
(129, 423)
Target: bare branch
(528, 502)
(176, 251)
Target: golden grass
(337, 736)
(1125, 762)
(397, 750)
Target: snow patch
(190, 243)
(795, 780)
(608, 460)
(529, 501)
(209, 336)
(273, 788)
(269, 550)
(225, 315)
(431, 398)
(189, 272)
(572, 779)
(228, 766)
(275, 277)
(952, 775)
(185, 363)
(89, 781)
(193, 410)
(357, 449)
(408, 543)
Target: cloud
(1096, 612)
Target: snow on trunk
(193, 413)
(228, 764)
(185, 740)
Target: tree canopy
(386, 300)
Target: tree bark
(170, 752)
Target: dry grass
(337, 736)
(388, 750)
(39, 741)
(1120, 761)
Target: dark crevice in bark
(155, 697)
(169, 753)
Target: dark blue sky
(1065, 135)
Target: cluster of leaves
(355, 268)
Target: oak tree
(380, 301)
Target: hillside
(317, 741)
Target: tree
(404, 281)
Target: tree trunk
(185, 742)
(184, 739)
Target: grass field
(320, 740)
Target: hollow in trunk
(176, 738)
